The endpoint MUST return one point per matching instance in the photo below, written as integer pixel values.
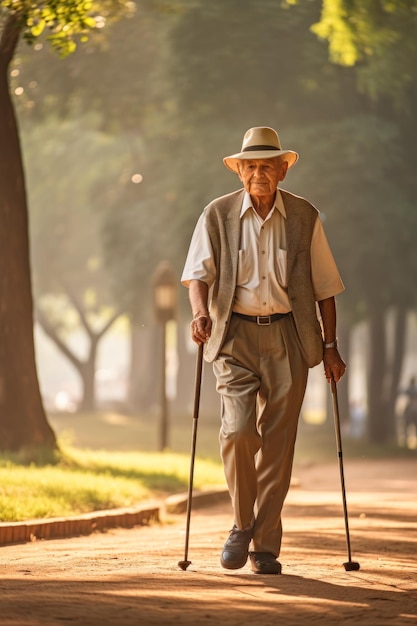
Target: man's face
(260, 177)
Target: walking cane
(349, 565)
(185, 563)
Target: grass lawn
(89, 480)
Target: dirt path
(131, 577)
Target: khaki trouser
(261, 377)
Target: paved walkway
(131, 577)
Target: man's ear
(284, 169)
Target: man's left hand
(334, 366)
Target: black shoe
(235, 550)
(264, 563)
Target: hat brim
(232, 160)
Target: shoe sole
(234, 564)
(258, 573)
(265, 567)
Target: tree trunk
(396, 367)
(377, 389)
(23, 423)
(87, 371)
(384, 373)
(145, 374)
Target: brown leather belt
(261, 320)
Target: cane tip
(351, 566)
(183, 565)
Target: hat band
(249, 148)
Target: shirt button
(263, 277)
(263, 252)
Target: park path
(131, 577)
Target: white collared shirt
(261, 285)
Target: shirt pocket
(281, 267)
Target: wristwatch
(332, 344)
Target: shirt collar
(278, 204)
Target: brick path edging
(62, 527)
(86, 524)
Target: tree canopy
(380, 37)
(65, 23)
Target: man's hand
(201, 323)
(200, 329)
(334, 366)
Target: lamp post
(165, 303)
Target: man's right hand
(200, 329)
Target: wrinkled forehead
(271, 162)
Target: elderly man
(257, 265)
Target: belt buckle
(267, 319)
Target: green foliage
(380, 36)
(362, 28)
(335, 27)
(67, 22)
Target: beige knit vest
(223, 222)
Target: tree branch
(78, 307)
(83, 317)
(51, 332)
(109, 323)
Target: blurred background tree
(73, 293)
(23, 422)
(377, 39)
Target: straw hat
(260, 142)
